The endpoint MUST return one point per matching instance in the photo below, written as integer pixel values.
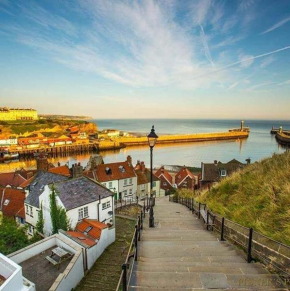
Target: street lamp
(152, 138)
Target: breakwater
(130, 141)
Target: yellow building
(8, 114)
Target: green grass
(257, 196)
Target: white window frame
(110, 185)
(106, 205)
(31, 211)
(142, 186)
(83, 212)
(125, 182)
(130, 192)
(130, 181)
(223, 173)
(125, 193)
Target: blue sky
(147, 59)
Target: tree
(58, 214)
(12, 237)
(40, 221)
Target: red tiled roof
(115, 173)
(96, 230)
(61, 170)
(165, 174)
(15, 199)
(80, 237)
(12, 179)
(27, 182)
(182, 174)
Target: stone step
(205, 268)
(214, 259)
(205, 280)
(182, 251)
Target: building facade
(10, 114)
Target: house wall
(187, 183)
(142, 193)
(133, 187)
(115, 184)
(74, 271)
(164, 184)
(104, 214)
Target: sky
(109, 59)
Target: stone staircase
(180, 254)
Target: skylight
(6, 202)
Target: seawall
(130, 141)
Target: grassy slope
(258, 197)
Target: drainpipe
(3, 193)
(99, 207)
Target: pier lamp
(152, 138)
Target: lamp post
(152, 138)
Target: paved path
(179, 254)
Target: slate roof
(211, 171)
(14, 205)
(115, 174)
(182, 174)
(144, 177)
(74, 193)
(36, 187)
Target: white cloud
(246, 60)
(277, 25)
(267, 61)
(285, 83)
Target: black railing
(256, 245)
(132, 256)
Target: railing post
(207, 219)
(223, 229)
(250, 245)
(124, 280)
(144, 209)
(151, 217)
(141, 220)
(192, 205)
(198, 210)
(139, 228)
(136, 242)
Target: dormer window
(223, 173)
(108, 171)
(121, 169)
(6, 202)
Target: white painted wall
(13, 274)
(115, 184)
(133, 187)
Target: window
(30, 229)
(130, 181)
(106, 205)
(6, 202)
(27, 209)
(21, 220)
(164, 184)
(104, 184)
(130, 191)
(142, 187)
(83, 212)
(154, 183)
(31, 211)
(125, 192)
(110, 184)
(223, 173)
(125, 182)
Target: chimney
(77, 170)
(58, 164)
(143, 168)
(42, 162)
(248, 161)
(162, 169)
(215, 162)
(129, 160)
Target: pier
(130, 141)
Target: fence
(257, 246)
(132, 256)
(145, 203)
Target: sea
(259, 145)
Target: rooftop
(36, 187)
(12, 202)
(13, 179)
(61, 170)
(112, 171)
(39, 271)
(165, 174)
(182, 174)
(80, 191)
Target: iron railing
(257, 246)
(132, 256)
